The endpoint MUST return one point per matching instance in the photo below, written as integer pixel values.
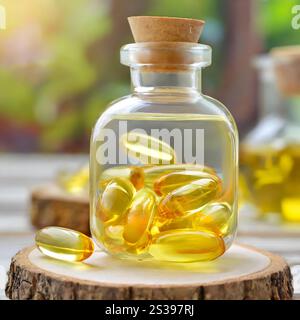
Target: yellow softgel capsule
(64, 244)
(187, 245)
(153, 173)
(172, 224)
(174, 180)
(115, 200)
(214, 216)
(139, 217)
(188, 199)
(147, 149)
(134, 174)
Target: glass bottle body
(164, 171)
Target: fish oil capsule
(186, 245)
(147, 149)
(76, 182)
(214, 216)
(175, 180)
(155, 172)
(188, 199)
(172, 224)
(64, 244)
(115, 199)
(134, 174)
(139, 217)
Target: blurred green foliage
(53, 87)
(274, 22)
(17, 96)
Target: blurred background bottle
(270, 153)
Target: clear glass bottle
(270, 153)
(163, 161)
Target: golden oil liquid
(170, 210)
(271, 180)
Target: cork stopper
(287, 69)
(157, 29)
(165, 43)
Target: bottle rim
(170, 54)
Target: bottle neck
(181, 81)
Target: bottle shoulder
(165, 104)
(219, 108)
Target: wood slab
(241, 273)
(52, 206)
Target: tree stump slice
(52, 206)
(241, 273)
